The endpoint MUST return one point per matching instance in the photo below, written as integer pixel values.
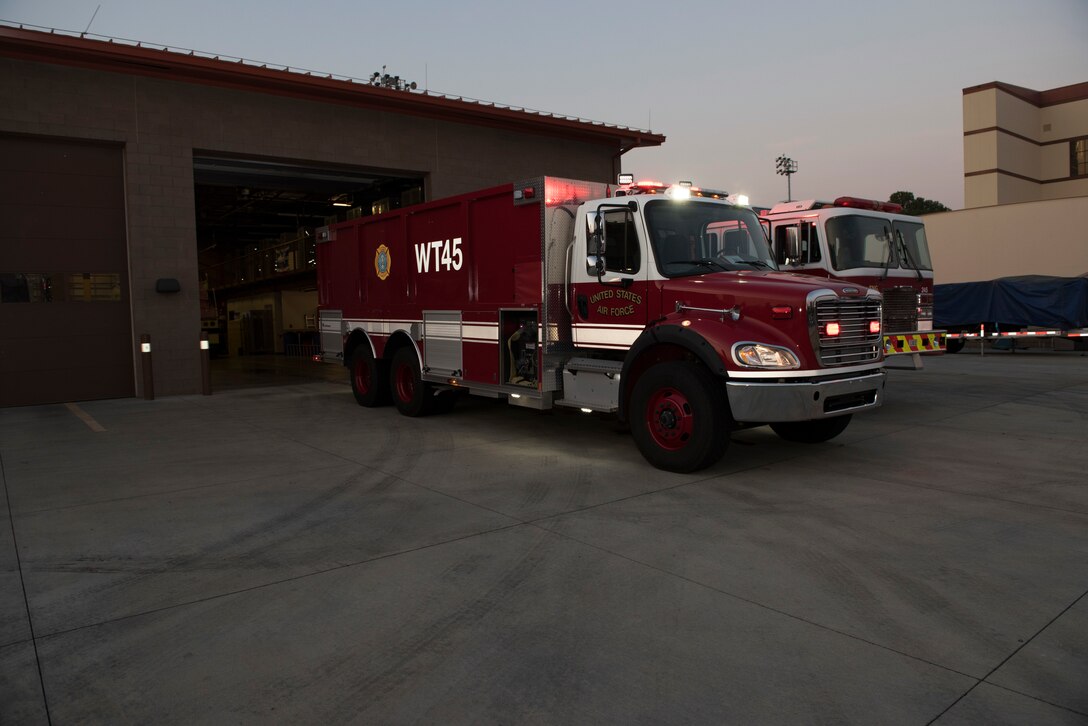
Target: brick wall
(160, 123)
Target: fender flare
(397, 340)
(362, 338)
(401, 339)
(675, 336)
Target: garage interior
(255, 223)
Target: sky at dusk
(865, 96)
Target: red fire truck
(660, 304)
(872, 244)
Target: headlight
(758, 355)
(925, 306)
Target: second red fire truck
(872, 244)
(661, 305)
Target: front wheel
(679, 417)
(954, 345)
(812, 432)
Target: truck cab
(870, 243)
(674, 278)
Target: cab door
(797, 247)
(608, 295)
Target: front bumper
(801, 400)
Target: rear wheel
(367, 380)
(954, 345)
(411, 395)
(812, 432)
(679, 417)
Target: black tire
(369, 381)
(954, 345)
(812, 432)
(411, 395)
(679, 416)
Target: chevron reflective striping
(912, 343)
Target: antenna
(92, 18)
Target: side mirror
(595, 265)
(793, 244)
(595, 243)
(793, 249)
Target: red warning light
(874, 204)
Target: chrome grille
(900, 310)
(854, 343)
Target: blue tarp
(1031, 300)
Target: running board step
(591, 383)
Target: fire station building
(164, 193)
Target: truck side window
(622, 250)
(808, 243)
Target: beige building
(1025, 161)
(1021, 145)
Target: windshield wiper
(888, 257)
(758, 263)
(907, 255)
(705, 262)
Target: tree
(916, 205)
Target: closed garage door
(65, 322)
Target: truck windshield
(857, 241)
(915, 252)
(693, 237)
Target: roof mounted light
(678, 192)
(872, 204)
(681, 190)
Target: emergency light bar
(681, 190)
(873, 204)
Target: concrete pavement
(278, 554)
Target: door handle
(583, 306)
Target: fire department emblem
(381, 262)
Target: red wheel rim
(361, 371)
(405, 383)
(670, 419)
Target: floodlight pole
(786, 167)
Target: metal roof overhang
(118, 57)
